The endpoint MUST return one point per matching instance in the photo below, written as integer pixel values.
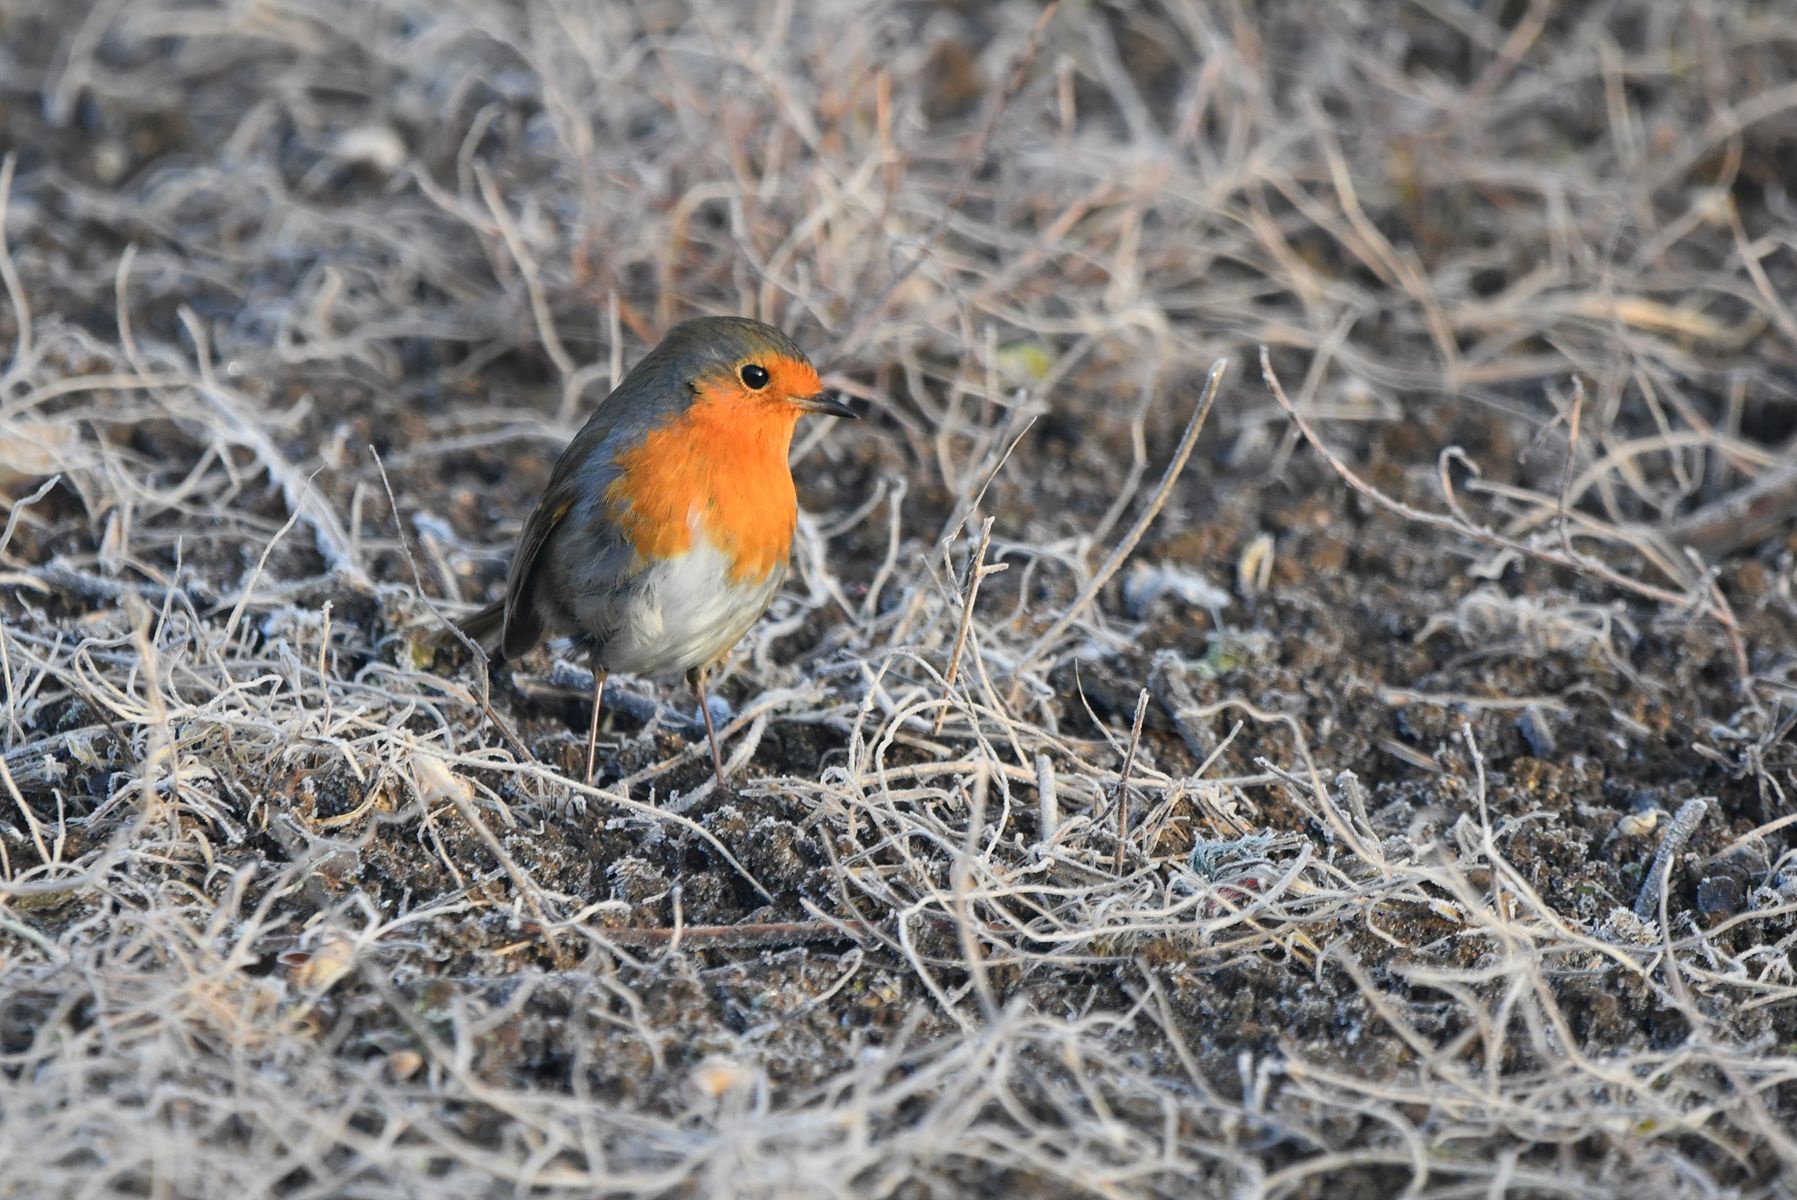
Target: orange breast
(725, 460)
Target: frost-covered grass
(1379, 786)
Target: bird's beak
(828, 403)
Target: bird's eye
(754, 376)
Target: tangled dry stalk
(1446, 851)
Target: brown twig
(1572, 453)
(1187, 441)
(1742, 517)
(768, 933)
(1129, 766)
(977, 570)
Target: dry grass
(1449, 856)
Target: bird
(666, 526)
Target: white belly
(685, 612)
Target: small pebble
(374, 146)
(1536, 733)
(1147, 584)
(1727, 882)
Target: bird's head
(748, 367)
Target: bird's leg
(697, 676)
(593, 729)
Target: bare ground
(1392, 798)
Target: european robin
(667, 523)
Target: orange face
(776, 379)
(723, 461)
(773, 383)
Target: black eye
(754, 376)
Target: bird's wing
(582, 473)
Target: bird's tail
(484, 627)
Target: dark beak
(828, 403)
